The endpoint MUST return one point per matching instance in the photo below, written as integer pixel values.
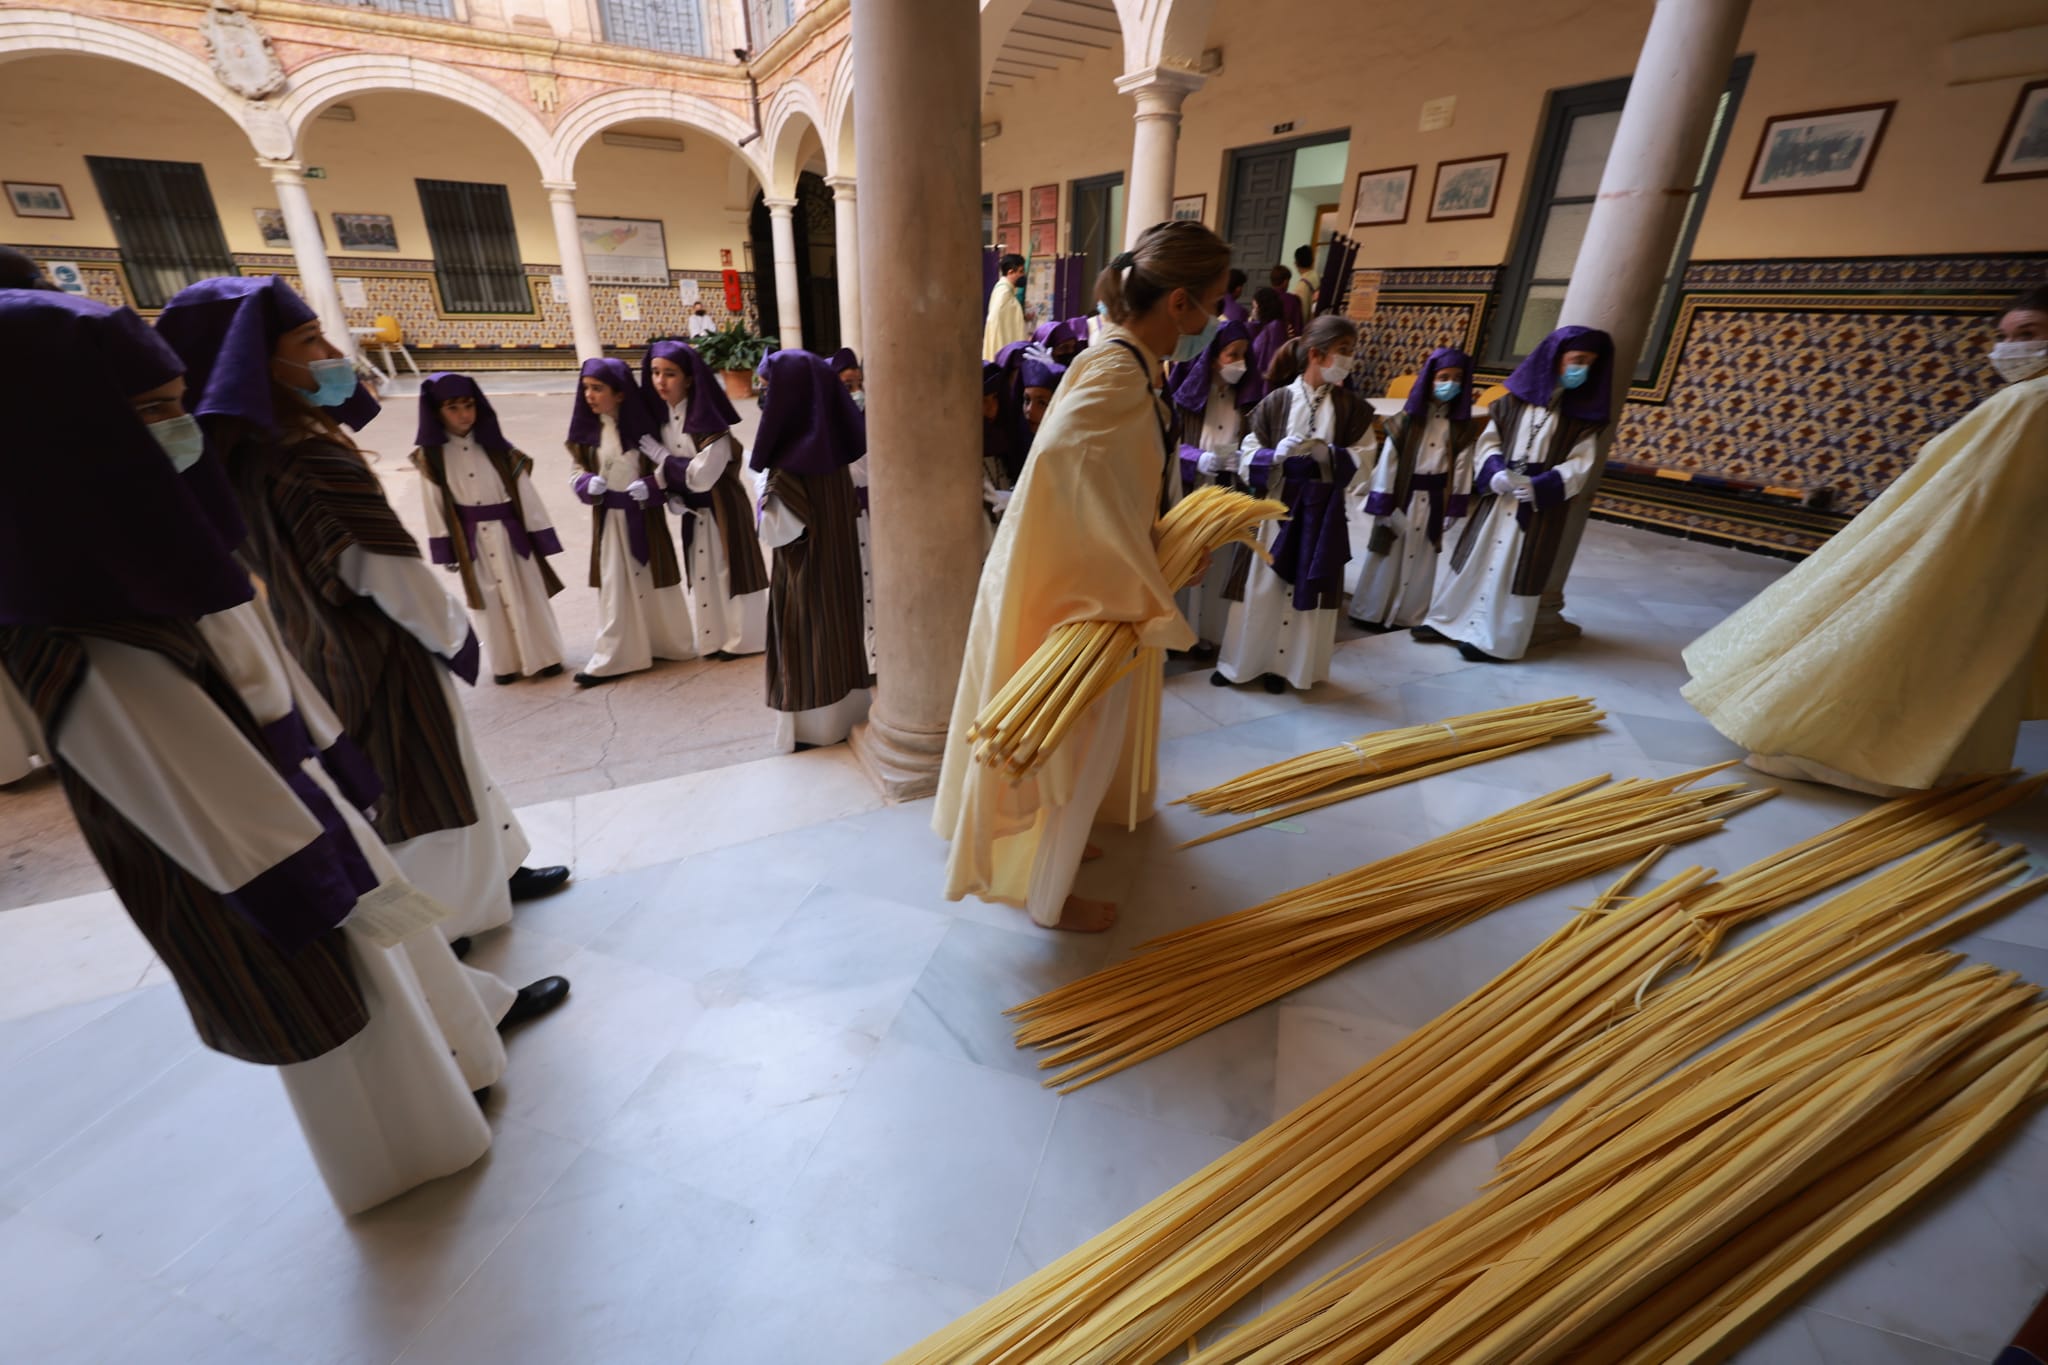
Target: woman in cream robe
(1909, 648)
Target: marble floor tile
(355, 1291)
(737, 1109)
(30, 1033)
(66, 951)
(1852, 1343)
(927, 1166)
(844, 959)
(550, 827)
(612, 1265)
(589, 905)
(1787, 1341)
(1219, 1082)
(702, 916)
(957, 1007)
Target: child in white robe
(1421, 485)
(1208, 398)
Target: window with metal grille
(476, 250)
(660, 25)
(163, 218)
(1577, 136)
(426, 9)
(771, 17)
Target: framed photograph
(1045, 203)
(1382, 197)
(1009, 208)
(270, 222)
(1045, 240)
(1827, 151)
(37, 201)
(1189, 208)
(1468, 188)
(365, 232)
(624, 250)
(2023, 151)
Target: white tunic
(1475, 606)
(638, 622)
(390, 1108)
(1394, 588)
(1203, 603)
(720, 622)
(1267, 633)
(858, 472)
(517, 624)
(21, 738)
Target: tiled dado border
(407, 290)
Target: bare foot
(1082, 916)
(1091, 853)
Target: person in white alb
(1421, 485)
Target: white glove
(1525, 491)
(653, 449)
(596, 487)
(999, 500)
(640, 491)
(1037, 351)
(1213, 463)
(1502, 484)
(1289, 445)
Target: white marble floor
(780, 1120)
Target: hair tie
(1124, 261)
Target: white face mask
(1232, 372)
(2019, 360)
(1335, 368)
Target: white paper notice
(558, 292)
(1437, 114)
(629, 307)
(352, 293)
(689, 292)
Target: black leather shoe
(542, 997)
(551, 671)
(721, 656)
(587, 680)
(1474, 654)
(1374, 627)
(460, 947)
(531, 883)
(1430, 635)
(1217, 679)
(1274, 683)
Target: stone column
(309, 251)
(789, 303)
(916, 85)
(575, 276)
(1641, 210)
(846, 224)
(1160, 92)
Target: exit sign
(1280, 128)
(320, 172)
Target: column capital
(560, 191)
(283, 172)
(1164, 87)
(779, 207)
(842, 186)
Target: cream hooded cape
(1910, 647)
(1075, 545)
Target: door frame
(1107, 181)
(1285, 144)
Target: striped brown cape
(305, 503)
(817, 651)
(248, 997)
(732, 511)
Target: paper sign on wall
(1438, 113)
(688, 291)
(558, 290)
(65, 275)
(352, 293)
(1364, 301)
(629, 307)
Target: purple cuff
(1457, 505)
(463, 663)
(1548, 486)
(1495, 464)
(545, 541)
(1261, 473)
(441, 549)
(583, 490)
(350, 770)
(1379, 503)
(675, 473)
(302, 897)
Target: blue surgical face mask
(1575, 376)
(182, 440)
(1192, 347)
(1447, 389)
(1102, 311)
(333, 382)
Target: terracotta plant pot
(738, 383)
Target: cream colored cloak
(1005, 322)
(1910, 647)
(1075, 545)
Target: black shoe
(535, 1000)
(1217, 679)
(551, 671)
(531, 883)
(1474, 654)
(1204, 652)
(482, 1097)
(1374, 627)
(503, 679)
(1430, 635)
(804, 748)
(586, 680)
(1273, 683)
(721, 656)
(460, 947)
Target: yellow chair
(386, 335)
(1487, 399)
(1400, 386)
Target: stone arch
(838, 133)
(591, 117)
(793, 109)
(325, 80)
(40, 32)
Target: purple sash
(1314, 543)
(515, 530)
(636, 526)
(676, 470)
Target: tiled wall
(1808, 375)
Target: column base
(903, 764)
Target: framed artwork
(1045, 240)
(1189, 208)
(1468, 188)
(1009, 208)
(270, 222)
(1045, 203)
(365, 232)
(624, 249)
(1827, 151)
(2023, 151)
(37, 201)
(1382, 196)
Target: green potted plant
(735, 351)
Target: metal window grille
(659, 25)
(476, 250)
(426, 9)
(771, 17)
(164, 221)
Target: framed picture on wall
(624, 250)
(365, 232)
(2023, 151)
(37, 201)
(1045, 240)
(1010, 209)
(1382, 196)
(1045, 203)
(1468, 188)
(1827, 151)
(1189, 208)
